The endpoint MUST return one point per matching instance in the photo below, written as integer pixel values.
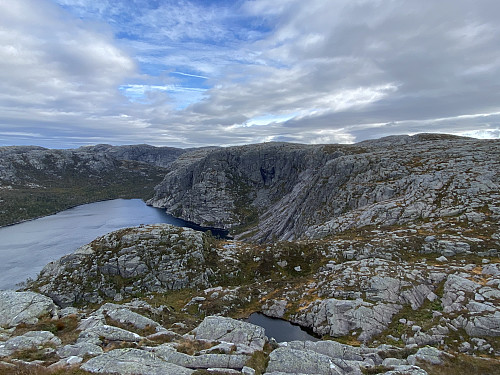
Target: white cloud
(309, 71)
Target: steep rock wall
(286, 191)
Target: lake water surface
(27, 247)
(280, 329)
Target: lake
(280, 329)
(27, 247)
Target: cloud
(190, 73)
(57, 73)
(347, 65)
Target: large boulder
(32, 339)
(23, 307)
(337, 318)
(230, 361)
(292, 361)
(218, 328)
(132, 362)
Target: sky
(188, 73)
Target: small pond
(280, 329)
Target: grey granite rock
(204, 361)
(339, 317)
(491, 269)
(427, 354)
(132, 362)
(124, 315)
(28, 340)
(394, 362)
(112, 333)
(23, 307)
(485, 325)
(66, 362)
(316, 190)
(332, 349)
(292, 361)
(152, 258)
(275, 308)
(217, 328)
(406, 370)
(80, 349)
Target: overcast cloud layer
(193, 73)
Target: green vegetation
(258, 361)
(174, 301)
(53, 193)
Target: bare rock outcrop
(288, 191)
(126, 262)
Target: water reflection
(280, 329)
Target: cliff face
(288, 191)
(234, 186)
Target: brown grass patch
(64, 328)
(25, 369)
(192, 347)
(464, 364)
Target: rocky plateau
(386, 250)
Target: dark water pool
(27, 247)
(280, 329)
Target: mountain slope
(35, 181)
(289, 191)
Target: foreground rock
(23, 307)
(245, 335)
(29, 340)
(133, 362)
(371, 285)
(219, 344)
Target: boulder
(169, 354)
(79, 349)
(123, 315)
(406, 370)
(491, 269)
(132, 362)
(287, 360)
(427, 354)
(275, 308)
(32, 339)
(113, 333)
(23, 307)
(338, 317)
(66, 362)
(217, 328)
(485, 325)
